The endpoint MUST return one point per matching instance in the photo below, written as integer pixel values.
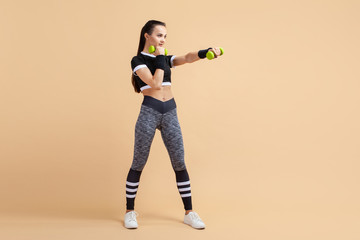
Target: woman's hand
(159, 50)
(216, 51)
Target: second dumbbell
(152, 49)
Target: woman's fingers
(217, 51)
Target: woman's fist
(214, 52)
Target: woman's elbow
(156, 86)
(187, 58)
(191, 57)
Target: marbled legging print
(155, 114)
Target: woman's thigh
(145, 127)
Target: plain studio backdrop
(271, 128)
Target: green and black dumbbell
(152, 49)
(210, 54)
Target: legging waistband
(158, 105)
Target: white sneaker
(194, 220)
(130, 219)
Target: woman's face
(158, 37)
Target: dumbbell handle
(152, 49)
(210, 54)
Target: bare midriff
(164, 94)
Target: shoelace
(195, 216)
(133, 216)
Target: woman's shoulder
(137, 60)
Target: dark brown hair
(147, 28)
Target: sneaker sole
(131, 227)
(194, 227)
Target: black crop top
(148, 60)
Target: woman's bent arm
(153, 81)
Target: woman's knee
(138, 166)
(179, 166)
(143, 139)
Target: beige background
(271, 128)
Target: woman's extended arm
(188, 58)
(192, 57)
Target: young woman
(152, 76)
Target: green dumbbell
(152, 49)
(210, 54)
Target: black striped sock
(132, 183)
(183, 185)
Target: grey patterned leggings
(155, 114)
